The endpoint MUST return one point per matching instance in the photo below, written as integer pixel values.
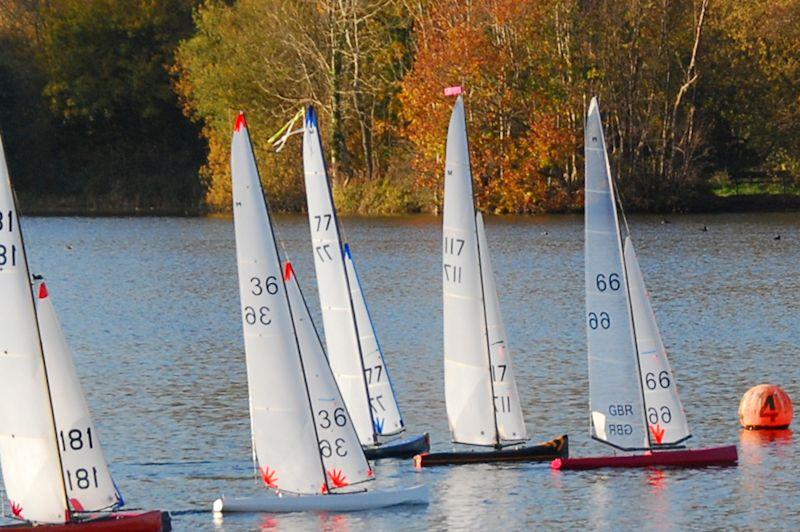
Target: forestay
(385, 411)
(510, 422)
(86, 475)
(468, 387)
(665, 416)
(616, 405)
(284, 435)
(28, 449)
(341, 451)
(338, 319)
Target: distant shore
(71, 207)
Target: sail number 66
(603, 283)
(663, 380)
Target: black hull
(557, 448)
(405, 448)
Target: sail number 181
(74, 439)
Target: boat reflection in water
(758, 446)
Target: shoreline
(713, 205)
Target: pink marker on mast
(453, 91)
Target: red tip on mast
(453, 91)
(240, 121)
(289, 271)
(42, 291)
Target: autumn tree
(270, 58)
(496, 51)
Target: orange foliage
(495, 50)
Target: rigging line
(294, 330)
(618, 199)
(278, 141)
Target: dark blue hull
(405, 448)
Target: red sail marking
(370, 473)
(338, 478)
(658, 432)
(76, 505)
(42, 291)
(289, 271)
(240, 121)
(269, 477)
(16, 510)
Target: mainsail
(615, 390)
(338, 315)
(510, 422)
(385, 411)
(665, 416)
(28, 449)
(468, 386)
(284, 432)
(86, 475)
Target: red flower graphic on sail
(16, 510)
(269, 477)
(658, 432)
(337, 478)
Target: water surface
(150, 308)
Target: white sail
(28, 449)
(283, 426)
(341, 451)
(338, 319)
(665, 416)
(467, 382)
(385, 411)
(510, 422)
(617, 410)
(86, 475)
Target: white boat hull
(337, 502)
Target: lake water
(150, 307)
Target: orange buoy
(765, 406)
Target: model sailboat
(54, 469)
(634, 401)
(304, 441)
(483, 405)
(354, 353)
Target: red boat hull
(687, 458)
(131, 521)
